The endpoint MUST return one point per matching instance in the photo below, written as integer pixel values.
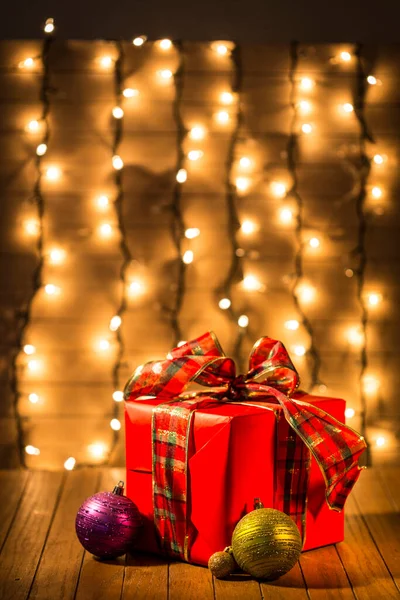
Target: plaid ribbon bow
(273, 377)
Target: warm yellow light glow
(222, 117)
(49, 26)
(299, 350)
(52, 290)
(102, 202)
(307, 128)
(53, 173)
(306, 293)
(33, 126)
(165, 74)
(57, 256)
(349, 413)
(115, 424)
(41, 150)
(130, 93)
(33, 398)
(314, 242)
(355, 336)
(347, 107)
(32, 450)
(374, 298)
(224, 303)
(28, 63)
(248, 227)
(292, 324)
(188, 257)
(245, 162)
(243, 183)
(379, 159)
(349, 273)
(226, 98)
(34, 365)
(371, 384)
(105, 230)
(106, 62)
(306, 84)
(285, 215)
(117, 112)
(97, 450)
(278, 189)
(192, 232)
(139, 41)
(380, 441)
(115, 322)
(220, 48)
(197, 132)
(195, 154)
(103, 345)
(29, 349)
(136, 287)
(32, 227)
(181, 176)
(118, 396)
(345, 56)
(372, 80)
(243, 321)
(376, 192)
(252, 284)
(70, 463)
(117, 162)
(305, 107)
(165, 44)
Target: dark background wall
(260, 21)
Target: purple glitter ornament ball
(108, 523)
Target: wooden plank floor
(41, 558)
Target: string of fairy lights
(238, 179)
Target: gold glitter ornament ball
(222, 564)
(266, 543)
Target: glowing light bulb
(49, 26)
(117, 112)
(314, 242)
(33, 126)
(374, 298)
(378, 159)
(97, 450)
(32, 227)
(130, 93)
(306, 83)
(243, 321)
(306, 293)
(224, 303)
(349, 413)
(56, 256)
(222, 117)
(165, 44)
(53, 173)
(345, 56)
(220, 49)
(136, 287)
(248, 227)
(118, 396)
(34, 365)
(28, 63)
(285, 215)
(105, 230)
(252, 284)
(278, 189)
(242, 183)
(115, 424)
(29, 349)
(380, 441)
(139, 41)
(371, 384)
(197, 132)
(51, 289)
(106, 62)
(245, 162)
(372, 80)
(305, 107)
(307, 128)
(292, 325)
(355, 336)
(103, 345)
(188, 257)
(41, 150)
(165, 74)
(349, 273)
(102, 202)
(226, 98)
(347, 107)
(299, 350)
(195, 154)
(70, 463)
(192, 232)
(117, 162)
(33, 398)
(181, 176)
(115, 322)
(32, 450)
(376, 192)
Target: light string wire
(360, 251)
(24, 317)
(235, 271)
(177, 221)
(292, 150)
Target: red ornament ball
(108, 523)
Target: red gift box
(196, 462)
